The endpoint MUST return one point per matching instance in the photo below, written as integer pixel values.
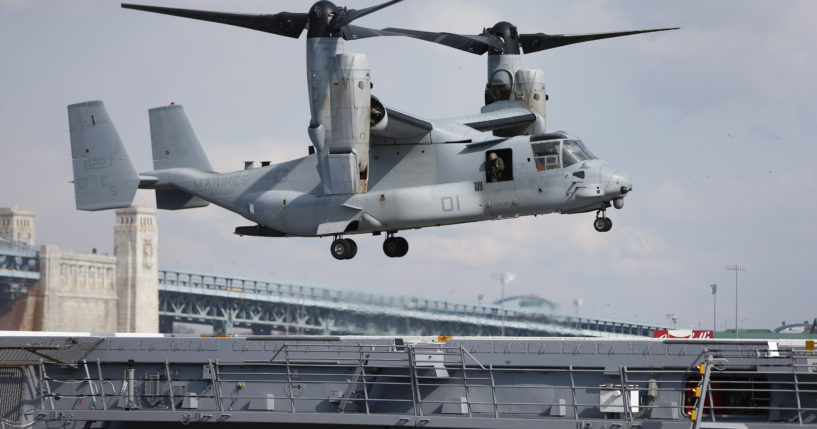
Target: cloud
(466, 249)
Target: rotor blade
(354, 14)
(353, 32)
(284, 23)
(477, 44)
(540, 41)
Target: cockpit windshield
(573, 151)
(550, 155)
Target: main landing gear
(343, 248)
(395, 247)
(602, 222)
(346, 248)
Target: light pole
(503, 278)
(736, 268)
(578, 303)
(713, 289)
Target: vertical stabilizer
(104, 176)
(173, 140)
(175, 145)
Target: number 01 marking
(450, 203)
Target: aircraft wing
(402, 128)
(403, 125)
(497, 116)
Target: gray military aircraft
(371, 168)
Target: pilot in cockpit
(552, 156)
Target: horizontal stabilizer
(104, 176)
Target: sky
(714, 123)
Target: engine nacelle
(529, 89)
(501, 71)
(350, 95)
(378, 116)
(508, 81)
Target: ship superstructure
(313, 381)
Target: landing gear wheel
(395, 247)
(343, 248)
(602, 222)
(403, 245)
(391, 247)
(354, 248)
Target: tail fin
(104, 176)
(174, 142)
(175, 145)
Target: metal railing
(423, 380)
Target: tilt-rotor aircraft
(371, 169)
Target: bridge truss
(266, 306)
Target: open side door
(500, 186)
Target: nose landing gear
(602, 222)
(395, 247)
(343, 248)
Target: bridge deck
(266, 305)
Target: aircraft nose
(619, 184)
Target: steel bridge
(267, 306)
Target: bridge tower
(17, 225)
(137, 270)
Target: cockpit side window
(573, 151)
(546, 155)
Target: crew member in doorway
(495, 167)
